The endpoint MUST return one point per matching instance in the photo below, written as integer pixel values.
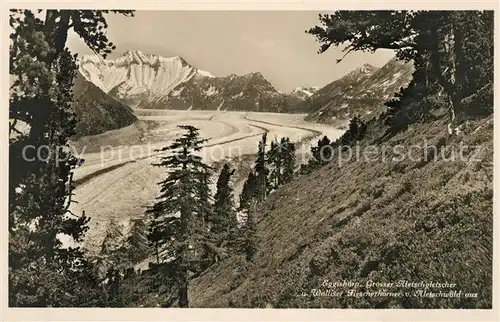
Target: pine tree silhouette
(41, 271)
(179, 216)
(225, 222)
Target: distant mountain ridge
(147, 81)
(143, 80)
(303, 92)
(362, 92)
(96, 111)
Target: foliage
(453, 50)
(321, 153)
(256, 185)
(281, 163)
(325, 150)
(178, 219)
(247, 243)
(248, 191)
(378, 221)
(137, 244)
(224, 223)
(272, 169)
(261, 171)
(41, 271)
(113, 254)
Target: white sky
(240, 42)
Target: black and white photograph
(264, 159)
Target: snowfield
(118, 181)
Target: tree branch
(347, 53)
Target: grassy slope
(371, 221)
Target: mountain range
(141, 80)
(362, 92)
(148, 81)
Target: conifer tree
(256, 186)
(289, 160)
(208, 253)
(177, 224)
(137, 241)
(274, 164)
(248, 191)
(281, 162)
(41, 271)
(224, 222)
(248, 239)
(355, 132)
(112, 253)
(261, 171)
(322, 152)
(113, 287)
(36, 46)
(320, 155)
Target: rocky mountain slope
(304, 92)
(143, 80)
(362, 92)
(96, 111)
(415, 219)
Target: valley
(174, 166)
(117, 180)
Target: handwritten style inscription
(401, 288)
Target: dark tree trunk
(183, 289)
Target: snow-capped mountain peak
(136, 75)
(363, 71)
(140, 57)
(205, 73)
(143, 80)
(304, 92)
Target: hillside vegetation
(369, 220)
(415, 205)
(405, 197)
